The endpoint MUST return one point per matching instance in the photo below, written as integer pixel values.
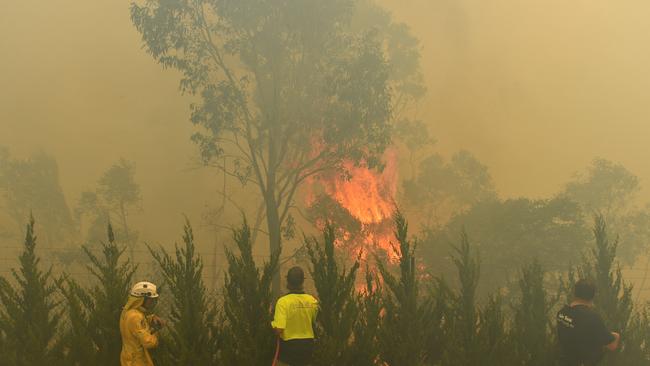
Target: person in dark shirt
(582, 335)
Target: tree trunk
(126, 231)
(275, 240)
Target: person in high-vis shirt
(138, 326)
(293, 321)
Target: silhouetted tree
(614, 296)
(285, 89)
(464, 320)
(115, 197)
(29, 317)
(533, 341)
(406, 313)
(193, 328)
(93, 335)
(338, 313)
(247, 338)
(32, 185)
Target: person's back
(136, 339)
(293, 320)
(582, 335)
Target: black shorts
(296, 352)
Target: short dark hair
(585, 289)
(295, 278)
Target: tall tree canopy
(511, 233)
(32, 185)
(285, 89)
(116, 196)
(609, 189)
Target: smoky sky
(534, 89)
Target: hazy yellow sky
(535, 89)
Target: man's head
(148, 291)
(584, 290)
(295, 279)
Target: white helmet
(144, 289)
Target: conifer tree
(93, 336)
(464, 320)
(406, 314)
(248, 338)
(492, 335)
(29, 317)
(364, 346)
(338, 307)
(532, 335)
(613, 296)
(193, 332)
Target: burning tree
(361, 202)
(361, 205)
(286, 90)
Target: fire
(368, 196)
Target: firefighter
(138, 325)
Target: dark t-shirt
(582, 336)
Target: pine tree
(338, 307)
(193, 331)
(492, 335)
(248, 337)
(464, 319)
(75, 345)
(29, 318)
(532, 336)
(613, 296)
(364, 348)
(406, 315)
(440, 337)
(93, 336)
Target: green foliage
(116, 196)
(607, 187)
(364, 348)
(247, 336)
(339, 312)
(493, 334)
(286, 90)
(76, 345)
(512, 233)
(464, 320)
(405, 312)
(441, 189)
(93, 335)
(610, 189)
(32, 186)
(391, 321)
(29, 317)
(614, 296)
(532, 333)
(194, 335)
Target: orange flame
(369, 196)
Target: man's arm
(138, 327)
(612, 346)
(279, 319)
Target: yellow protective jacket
(137, 337)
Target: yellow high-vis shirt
(295, 314)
